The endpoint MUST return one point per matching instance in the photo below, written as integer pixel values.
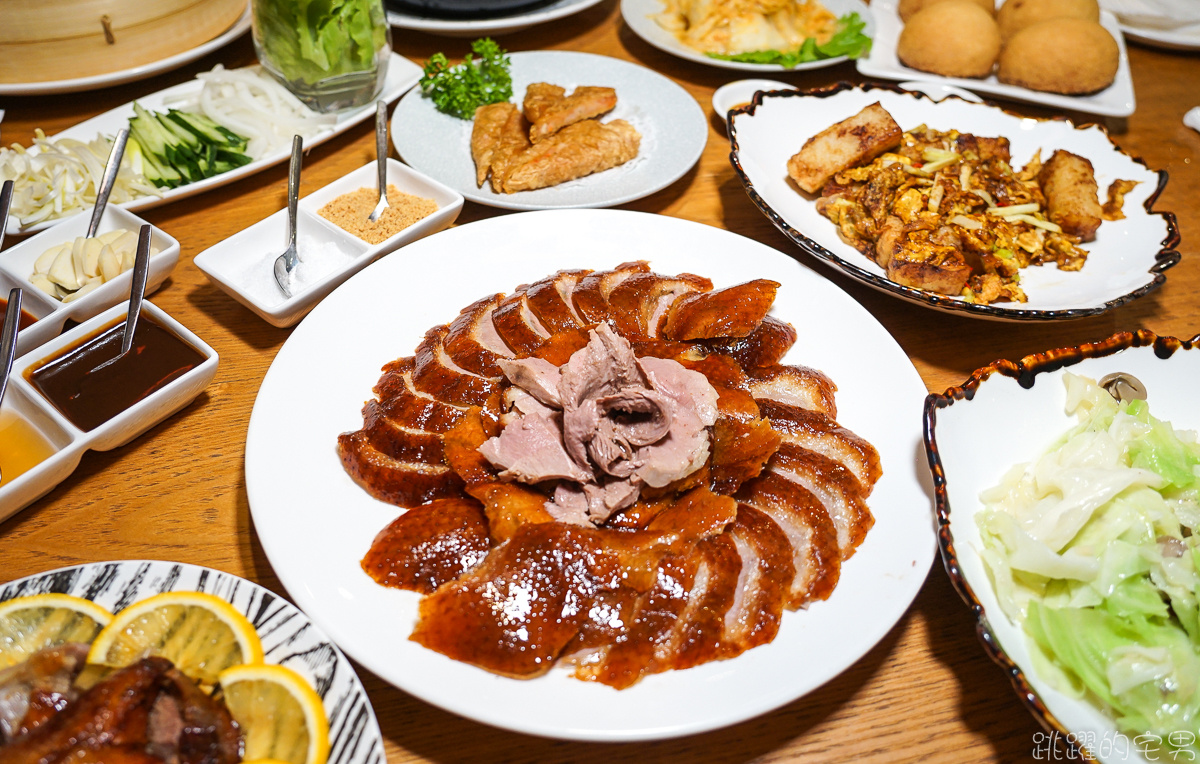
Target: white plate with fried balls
(1126, 260)
(1116, 100)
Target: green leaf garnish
(848, 41)
(460, 90)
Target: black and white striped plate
(288, 637)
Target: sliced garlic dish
(70, 270)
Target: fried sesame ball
(1015, 15)
(909, 7)
(953, 38)
(1066, 56)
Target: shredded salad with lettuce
(849, 40)
(1095, 548)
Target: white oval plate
(1127, 258)
(481, 27)
(402, 74)
(639, 15)
(672, 125)
(315, 523)
(288, 637)
(132, 74)
(1020, 423)
(1114, 101)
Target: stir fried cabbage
(1093, 548)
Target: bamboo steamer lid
(51, 40)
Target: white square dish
(242, 264)
(16, 266)
(68, 441)
(1116, 100)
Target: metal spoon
(137, 293)
(6, 195)
(111, 168)
(8, 336)
(380, 158)
(286, 263)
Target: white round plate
(481, 27)
(639, 15)
(1183, 38)
(402, 74)
(1127, 259)
(1116, 100)
(673, 127)
(288, 637)
(315, 523)
(132, 74)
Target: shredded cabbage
(1094, 549)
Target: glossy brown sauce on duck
(697, 570)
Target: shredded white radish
(60, 178)
(250, 102)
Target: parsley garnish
(460, 90)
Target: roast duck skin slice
(699, 568)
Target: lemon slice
(29, 624)
(281, 716)
(201, 634)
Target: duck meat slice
(38, 687)
(701, 635)
(434, 373)
(762, 585)
(398, 441)
(734, 311)
(590, 295)
(543, 580)
(472, 342)
(638, 303)
(429, 545)
(765, 346)
(148, 709)
(518, 326)
(409, 407)
(550, 300)
(812, 537)
(797, 386)
(649, 637)
(818, 432)
(834, 486)
(405, 484)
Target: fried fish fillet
(577, 150)
(485, 135)
(514, 139)
(539, 96)
(585, 103)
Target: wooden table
(925, 692)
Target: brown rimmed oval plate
(1011, 412)
(1128, 259)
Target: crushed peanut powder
(350, 212)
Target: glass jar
(332, 54)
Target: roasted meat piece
(638, 486)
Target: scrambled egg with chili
(946, 212)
